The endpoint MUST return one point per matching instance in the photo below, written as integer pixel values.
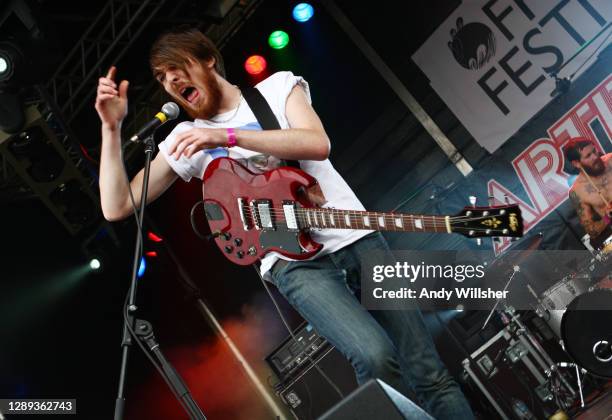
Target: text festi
(500, 18)
(414, 272)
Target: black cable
(193, 225)
(590, 56)
(133, 202)
(125, 305)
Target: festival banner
(491, 61)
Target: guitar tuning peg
(515, 239)
(479, 241)
(472, 199)
(506, 199)
(491, 200)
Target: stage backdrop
(491, 60)
(530, 169)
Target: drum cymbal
(586, 331)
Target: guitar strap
(265, 116)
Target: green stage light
(278, 40)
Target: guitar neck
(323, 218)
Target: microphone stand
(562, 85)
(144, 331)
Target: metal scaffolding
(64, 97)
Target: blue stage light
(142, 267)
(303, 12)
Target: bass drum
(587, 331)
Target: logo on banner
(495, 72)
(473, 45)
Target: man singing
(393, 346)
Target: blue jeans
(392, 345)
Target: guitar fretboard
(370, 220)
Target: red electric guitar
(253, 214)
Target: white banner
(490, 60)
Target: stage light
(142, 267)
(278, 40)
(95, 264)
(152, 254)
(153, 237)
(12, 117)
(4, 65)
(11, 59)
(303, 12)
(45, 163)
(78, 207)
(255, 64)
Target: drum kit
(577, 308)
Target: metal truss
(59, 102)
(108, 38)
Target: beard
(209, 100)
(597, 169)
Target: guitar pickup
(290, 215)
(263, 216)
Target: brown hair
(573, 147)
(175, 47)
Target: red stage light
(154, 237)
(151, 254)
(255, 64)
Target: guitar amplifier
(292, 356)
(311, 393)
(309, 390)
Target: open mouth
(190, 94)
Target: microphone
(169, 111)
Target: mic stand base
(144, 331)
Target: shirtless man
(591, 193)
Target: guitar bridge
(242, 208)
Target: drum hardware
(516, 358)
(578, 380)
(515, 270)
(528, 340)
(586, 241)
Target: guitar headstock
(479, 222)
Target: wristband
(231, 138)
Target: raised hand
(111, 103)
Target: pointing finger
(111, 73)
